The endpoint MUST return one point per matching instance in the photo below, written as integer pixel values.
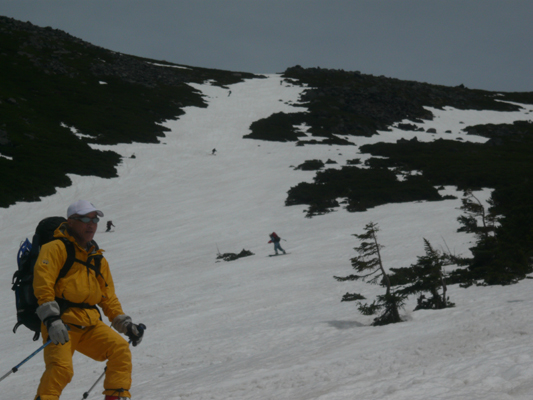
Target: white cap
(82, 207)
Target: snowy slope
(272, 328)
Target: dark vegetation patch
(409, 127)
(361, 188)
(278, 127)
(333, 140)
(382, 102)
(505, 160)
(49, 78)
(354, 104)
(234, 256)
(499, 134)
(311, 165)
(355, 161)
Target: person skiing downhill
(274, 238)
(67, 309)
(109, 225)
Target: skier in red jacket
(276, 239)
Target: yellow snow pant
(99, 342)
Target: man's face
(83, 232)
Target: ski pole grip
(141, 328)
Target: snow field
(271, 328)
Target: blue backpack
(26, 302)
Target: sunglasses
(86, 220)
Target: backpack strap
(95, 267)
(69, 262)
(71, 258)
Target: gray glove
(49, 313)
(57, 331)
(121, 322)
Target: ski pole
(16, 367)
(86, 394)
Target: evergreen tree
(369, 263)
(475, 214)
(502, 254)
(426, 276)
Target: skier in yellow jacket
(67, 308)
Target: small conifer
(369, 263)
(475, 213)
(425, 276)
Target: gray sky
(483, 44)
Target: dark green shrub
(425, 276)
(311, 165)
(278, 127)
(234, 256)
(362, 188)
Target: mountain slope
(272, 328)
(58, 94)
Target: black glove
(135, 333)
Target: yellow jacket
(79, 285)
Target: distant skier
(214, 152)
(276, 239)
(109, 225)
